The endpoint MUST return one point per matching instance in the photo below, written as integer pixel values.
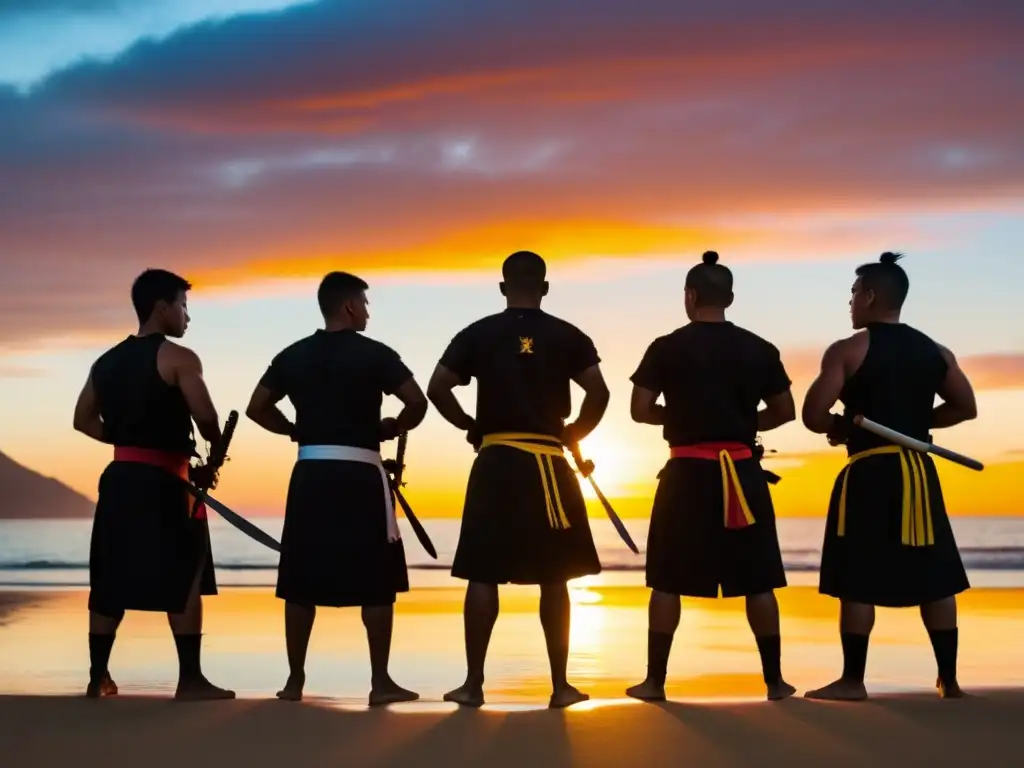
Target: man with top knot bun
(888, 540)
(713, 525)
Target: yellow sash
(917, 528)
(545, 453)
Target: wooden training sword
(917, 445)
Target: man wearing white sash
(340, 545)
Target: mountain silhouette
(25, 494)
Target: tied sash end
(916, 525)
(737, 510)
(360, 456)
(545, 449)
(736, 513)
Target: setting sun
(613, 470)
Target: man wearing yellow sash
(524, 520)
(888, 541)
(713, 526)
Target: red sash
(736, 512)
(174, 463)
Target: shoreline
(440, 578)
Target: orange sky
(418, 143)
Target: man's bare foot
(780, 690)
(201, 689)
(566, 697)
(390, 692)
(292, 690)
(840, 690)
(950, 690)
(467, 695)
(648, 690)
(105, 686)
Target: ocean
(55, 553)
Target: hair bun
(890, 258)
(710, 257)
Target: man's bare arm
(958, 402)
(644, 408)
(263, 410)
(187, 373)
(779, 409)
(441, 394)
(825, 391)
(87, 419)
(595, 402)
(415, 406)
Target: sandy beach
(715, 716)
(907, 730)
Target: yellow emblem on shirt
(525, 345)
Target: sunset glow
(287, 139)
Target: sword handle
(397, 465)
(584, 466)
(218, 456)
(220, 453)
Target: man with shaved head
(524, 520)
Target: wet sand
(906, 730)
(716, 715)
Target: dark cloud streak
(308, 133)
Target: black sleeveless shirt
(896, 384)
(140, 409)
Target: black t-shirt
(523, 361)
(336, 381)
(714, 377)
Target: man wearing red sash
(150, 551)
(713, 525)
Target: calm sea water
(56, 553)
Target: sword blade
(616, 520)
(417, 528)
(620, 528)
(236, 520)
(917, 445)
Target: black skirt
(146, 551)
(507, 535)
(691, 552)
(870, 564)
(334, 546)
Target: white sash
(363, 456)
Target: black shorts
(689, 550)
(334, 546)
(507, 535)
(146, 551)
(870, 564)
